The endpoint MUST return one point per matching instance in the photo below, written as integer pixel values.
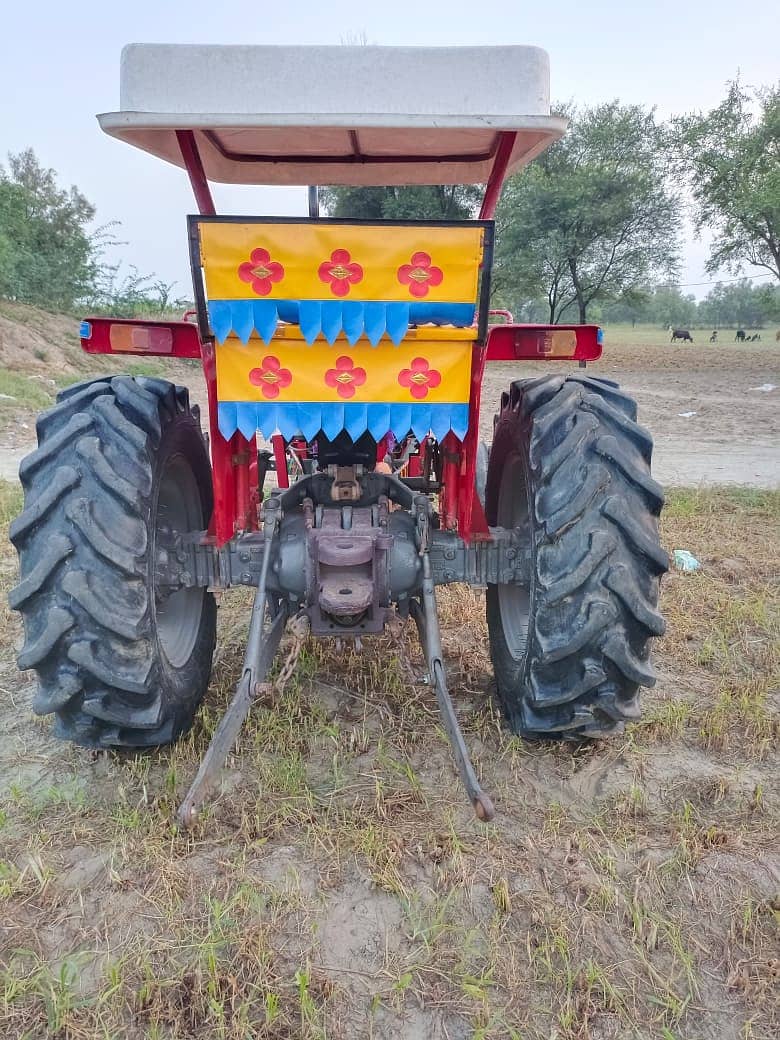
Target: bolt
(449, 554)
(510, 554)
(246, 578)
(244, 556)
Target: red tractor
(356, 349)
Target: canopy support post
(506, 143)
(200, 186)
(314, 201)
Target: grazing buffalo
(740, 336)
(681, 334)
(714, 336)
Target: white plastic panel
(303, 115)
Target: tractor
(346, 358)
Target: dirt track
(734, 435)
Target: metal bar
(503, 154)
(427, 621)
(231, 722)
(314, 201)
(232, 218)
(223, 519)
(200, 186)
(280, 458)
(467, 527)
(450, 481)
(351, 158)
(261, 646)
(353, 140)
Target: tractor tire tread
(83, 541)
(597, 558)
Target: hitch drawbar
(312, 553)
(262, 643)
(427, 620)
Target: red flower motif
(270, 377)
(420, 378)
(345, 377)
(341, 272)
(420, 275)
(260, 271)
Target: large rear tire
(121, 465)
(570, 470)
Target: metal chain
(298, 628)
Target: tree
(593, 218)
(423, 202)
(739, 303)
(732, 159)
(668, 306)
(46, 253)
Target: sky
(59, 65)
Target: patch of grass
(667, 719)
(11, 499)
(147, 368)
(21, 391)
(720, 501)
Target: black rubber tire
(570, 467)
(113, 456)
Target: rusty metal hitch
(427, 620)
(262, 644)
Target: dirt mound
(34, 340)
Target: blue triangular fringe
(331, 317)
(308, 418)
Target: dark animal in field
(714, 336)
(740, 336)
(756, 337)
(681, 334)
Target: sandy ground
(733, 437)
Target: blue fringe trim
(329, 318)
(309, 418)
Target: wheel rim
(179, 510)
(514, 600)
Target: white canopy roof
(336, 115)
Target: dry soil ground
(340, 886)
(733, 437)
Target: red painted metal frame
(223, 478)
(233, 462)
(280, 458)
(497, 174)
(470, 518)
(188, 147)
